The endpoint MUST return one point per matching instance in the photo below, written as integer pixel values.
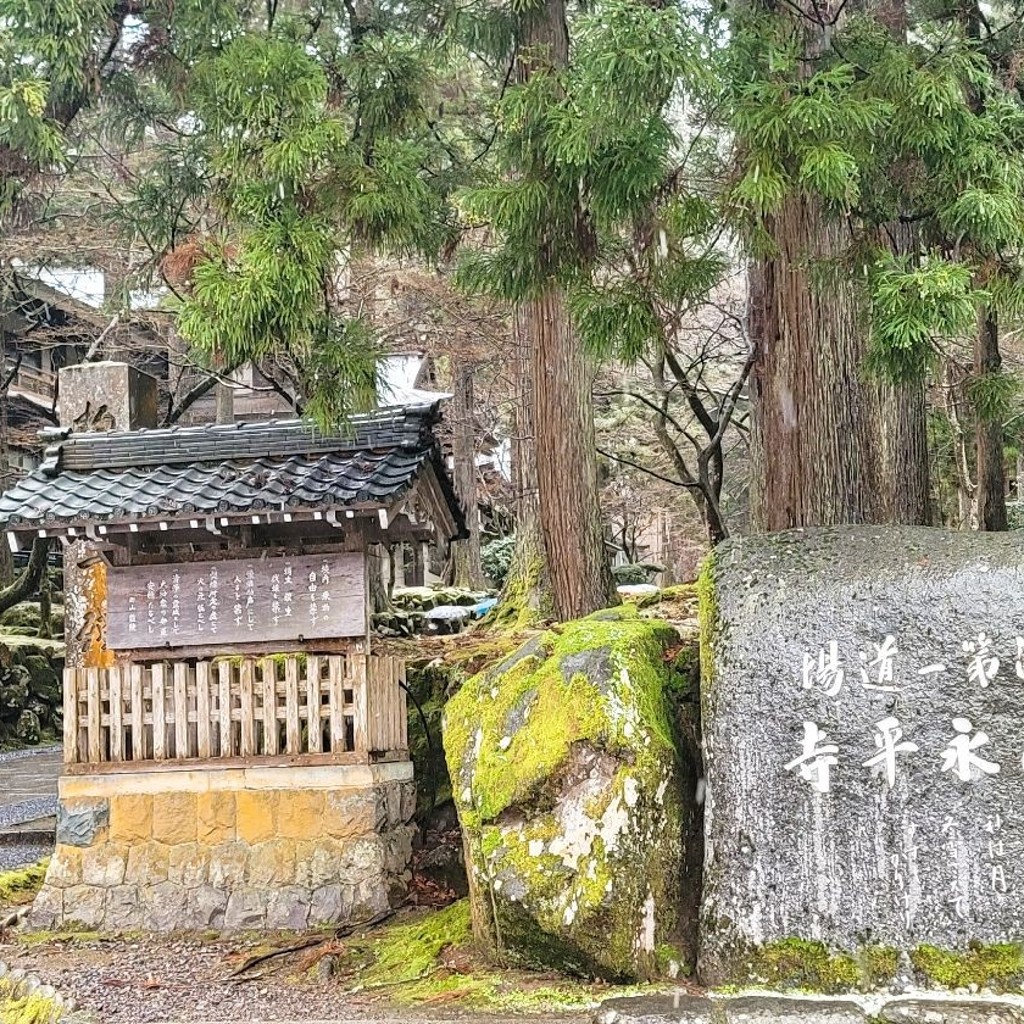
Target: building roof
(144, 478)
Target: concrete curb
(776, 1008)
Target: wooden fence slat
(114, 678)
(336, 681)
(246, 691)
(269, 706)
(138, 715)
(180, 710)
(159, 712)
(72, 681)
(94, 713)
(360, 701)
(203, 708)
(293, 726)
(403, 710)
(226, 745)
(315, 723)
(396, 707)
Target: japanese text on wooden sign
(243, 601)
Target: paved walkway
(28, 794)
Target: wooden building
(236, 752)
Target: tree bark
(527, 590)
(816, 455)
(989, 472)
(466, 553)
(565, 449)
(566, 453)
(27, 583)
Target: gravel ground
(177, 981)
(20, 855)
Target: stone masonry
(232, 849)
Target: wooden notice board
(237, 602)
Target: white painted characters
(890, 742)
(828, 673)
(877, 674)
(816, 758)
(983, 665)
(959, 756)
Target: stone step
(776, 1008)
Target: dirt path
(188, 981)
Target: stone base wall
(229, 849)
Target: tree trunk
(27, 583)
(991, 480)
(566, 453)
(902, 418)
(6, 558)
(562, 404)
(816, 456)
(527, 590)
(466, 553)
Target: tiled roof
(224, 470)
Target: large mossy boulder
(576, 802)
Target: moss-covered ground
(19, 887)
(30, 1009)
(430, 959)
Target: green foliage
(584, 158)
(992, 395)
(913, 307)
(496, 559)
(880, 131)
(48, 53)
(299, 143)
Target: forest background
(687, 270)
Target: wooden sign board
(237, 602)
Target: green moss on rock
(564, 768)
(999, 966)
(808, 965)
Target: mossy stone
(566, 775)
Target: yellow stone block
(147, 864)
(65, 867)
(216, 817)
(256, 817)
(174, 818)
(271, 864)
(300, 814)
(348, 815)
(131, 817)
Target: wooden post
(71, 753)
(293, 726)
(138, 714)
(336, 678)
(159, 713)
(180, 710)
(226, 747)
(93, 715)
(203, 708)
(116, 714)
(360, 701)
(246, 697)
(313, 705)
(269, 706)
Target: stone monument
(863, 720)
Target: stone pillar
(106, 396)
(96, 397)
